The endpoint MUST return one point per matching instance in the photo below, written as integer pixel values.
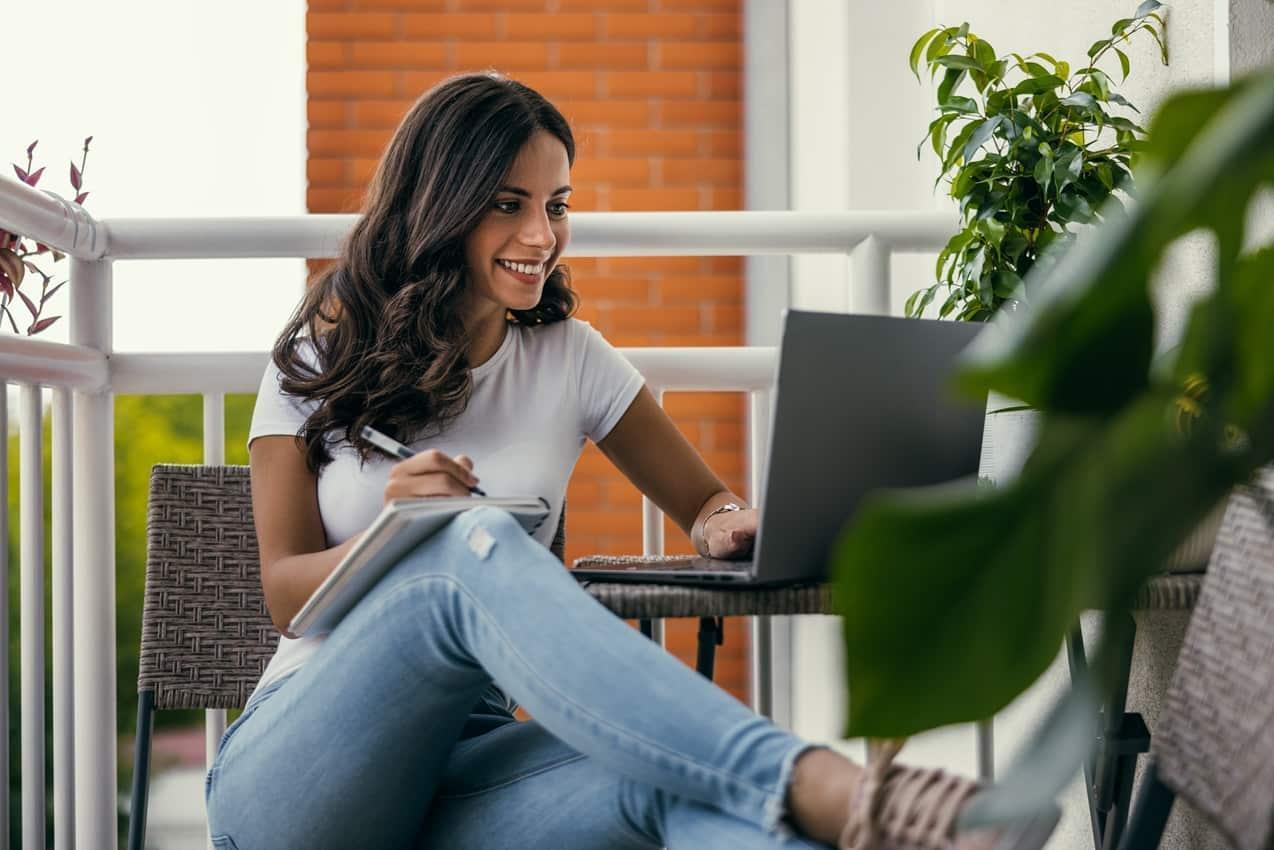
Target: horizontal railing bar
(607, 234)
(677, 369)
(50, 219)
(52, 364)
(187, 372)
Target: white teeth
(522, 267)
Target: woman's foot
(891, 807)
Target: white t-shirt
(533, 403)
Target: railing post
(63, 626)
(96, 809)
(652, 533)
(4, 610)
(214, 453)
(869, 283)
(31, 593)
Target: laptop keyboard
(688, 562)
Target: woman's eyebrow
(514, 190)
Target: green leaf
(950, 79)
(940, 45)
(1116, 97)
(1118, 26)
(1044, 172)
(1124, 64)
(1147, 7)
(916, 50)
(1163, 47)
(984, 53)
(958, 143)
(964, 63)
(961, 105)
(1081, 99)
(1036, 85)
(1098, 47)
(953, 603)
(1005, 283)
(980, 136)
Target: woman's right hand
(430, 473)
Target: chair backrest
(1214, 741)
(206, 632)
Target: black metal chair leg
(1150, 814)
(1077, 660)
(647, 628)
(141, 770)
(1123, 737)
(711, 635)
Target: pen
(393, 448)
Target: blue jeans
(388, 737)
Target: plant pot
(1008, 436)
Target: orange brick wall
(653, 91)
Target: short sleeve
(277, 412)
(608, 383)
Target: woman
(445, 323)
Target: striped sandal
(911, 808)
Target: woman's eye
(507, 206)
(558, 210)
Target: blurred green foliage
(956, 599)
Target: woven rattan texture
(1215, 741)
(206, 633)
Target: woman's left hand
(730, 534)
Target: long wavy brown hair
(389, 344)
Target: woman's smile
(527, 272)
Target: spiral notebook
(400, 527)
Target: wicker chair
(1214, 745)
(206, 633)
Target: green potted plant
(1030, 146)
(956, 599)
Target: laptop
(861, 403)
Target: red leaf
(86, 141)
(5, 286)
(41, 325)
(22, 175)
(35, 311)
(75, 177)
(35, 178)
(31, 147)
(49, 294)
(41, 248)
(79, 199)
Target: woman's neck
(485, 340)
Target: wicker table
(655, 601)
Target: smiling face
(517, 244)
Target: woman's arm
(294, 554)
(647, 447)
(295, 558)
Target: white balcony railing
(85, 375)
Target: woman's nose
(537, 232)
